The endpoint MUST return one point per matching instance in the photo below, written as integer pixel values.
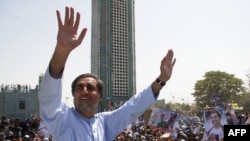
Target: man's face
(86, 95)
(215, 119)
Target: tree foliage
(248, 81)
(225, 85)
(178, 106)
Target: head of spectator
(215, 117)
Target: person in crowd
(240, 119)
(162, 122)
(230, 116)
(171, 121)
(109, 106)
(247, 121)
(2, 134)
(83, 122)
(246, 117)
(139, 122)
(216, 132)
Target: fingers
(170, 55)
(173, 62)
(76, 25)
(169, 58)
(82, 35)
(71, 19)
(70, 25)
(66, 19)
(69, 16)
(59, 20)
(167, 65)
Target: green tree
(244, 101)
(248, 81)
(185, 107)
(225, 85)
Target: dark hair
(216, 112)
(100, 85)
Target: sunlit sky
(205, 36)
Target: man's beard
(89, 108)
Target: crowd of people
(31, 129)
(15, 88)
(191, 128)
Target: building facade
(113, 48)
(19, 101)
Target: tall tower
(113, 48)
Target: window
(21, 105)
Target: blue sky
(205, 36)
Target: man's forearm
(57, 63)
